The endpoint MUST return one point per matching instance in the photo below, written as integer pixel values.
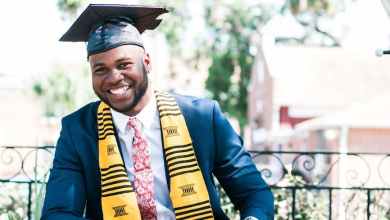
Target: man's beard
(140, 91)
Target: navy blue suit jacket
(73, 190)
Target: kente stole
(188, 191)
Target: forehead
(121, 52)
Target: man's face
(119, 76)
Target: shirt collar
(148, 117)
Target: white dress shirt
(150, 124)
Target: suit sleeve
(65, 191)
(237, 173)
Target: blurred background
(300, 80)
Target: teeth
(119, 91)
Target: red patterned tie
(143, 182)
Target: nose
(116, 76)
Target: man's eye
(100, 71)
(124, 65)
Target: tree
(69, 8)
(234, 24)
(61, 91)
(232, 60)
(310, 14)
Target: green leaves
(69, 7)
(229, 73)
(63, 91)
(317, 6)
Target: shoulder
(197, 110)
(83, 115)
(194, 103)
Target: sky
(30, 42)
(369, 25)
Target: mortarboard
(106, 26)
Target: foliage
(310, 204)
(311, 14)
(174, 22)
(69, 8)
(232, 26)
(57, 91)
(13, 207)
(313, 5)
(63, 91)
(380, 203)
(16, 209)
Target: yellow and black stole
(188, 191)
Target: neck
(142, 103)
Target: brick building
(302, 83)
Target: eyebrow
(123, 59)
(99, 63)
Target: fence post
(29, 201)
(293, 203)
(368, 203)
(330, 204)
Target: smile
(119, 91)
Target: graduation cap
(106, 26)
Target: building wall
(359, 140)
(369, 140)
(260, 105)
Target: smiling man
(142, 154)
(126, 89)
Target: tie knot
(133, 123)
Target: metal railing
(328, 185)
(23, 172)
(306, 185)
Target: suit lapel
(94, 128)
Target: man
(140, 154)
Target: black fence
(327, 185)
(306, 185)
(23, 172)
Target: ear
(147, 62)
